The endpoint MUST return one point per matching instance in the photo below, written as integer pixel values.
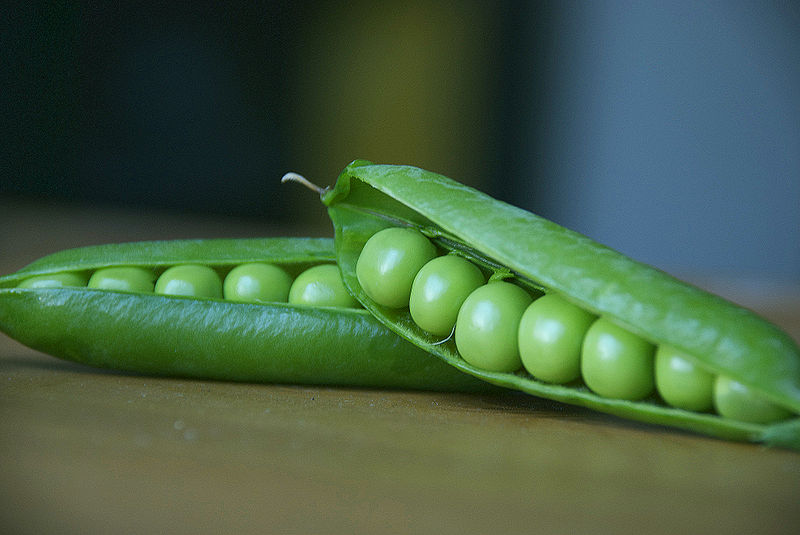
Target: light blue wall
(671, 131)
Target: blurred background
(667, 130)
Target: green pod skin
(213, 338)
(723, 338)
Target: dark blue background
(669, 130)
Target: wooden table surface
(90, 451)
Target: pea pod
(212, 338)
(542, 256)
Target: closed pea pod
(722, 338)
(210, 337)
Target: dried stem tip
(294, 177)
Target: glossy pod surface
(722, 338)
(211, 338)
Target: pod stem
(295, 177)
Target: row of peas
(319, 285)
(500, 326)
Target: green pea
(321, 286)
(734, 400)
(616, 363)
(257, 283)
(680, 382)
(190, 280)
(551, 333)
(123, 279)
(438, 291)
(487, 326)
(55, 280)
(389, 262)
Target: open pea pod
(212, 338)
(720, 336)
